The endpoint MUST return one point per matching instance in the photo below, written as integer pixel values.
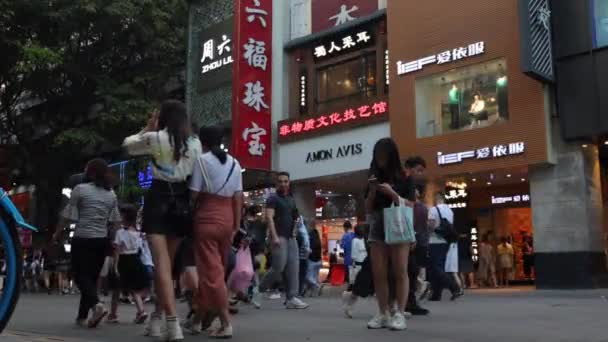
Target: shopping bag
(242, 274)
(399, 224)
(451, 260)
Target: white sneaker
(154, 327)
(274, 295)
(99, 313)
(296, 303)
(379, 321)
(174, 331)
(222, 333)
(348, 300)
(397, 322)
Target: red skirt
(213, 228)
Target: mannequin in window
(502, 97)
(454, 104)
(478, 110)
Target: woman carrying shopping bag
(388, 202)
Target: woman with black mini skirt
(168, 140)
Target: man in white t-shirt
(438, 250)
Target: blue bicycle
(10, 251)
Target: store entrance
(490, 208)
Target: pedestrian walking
(487, 263)
(92, 206)
(217, 189)
(418, 260)
(312, 286)
(387, 186)
(346, 245)
(131, 272)
(166, 218)
(504, 252)
(304, 247)
(281, 216)
(440, 216)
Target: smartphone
(372, 180)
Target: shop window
(462, 99)
(600, 10)
(350, 80)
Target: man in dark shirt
(414, 169)
(281, 216)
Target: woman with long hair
(217, 191)
(387, 186)
(92, 206)
(173, 149)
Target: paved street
(514, 315)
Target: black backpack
(446, 229)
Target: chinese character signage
(488, 152)
(331, 13)
(456, 195)
(343, 44)
(443, 57)
(252, 88)
(361, 114)
(214, 58)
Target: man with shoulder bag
(442, 233)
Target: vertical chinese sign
(252, 86)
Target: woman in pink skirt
(217, 190)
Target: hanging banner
(252, 86)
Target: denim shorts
(376, 226)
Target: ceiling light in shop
(606, 142)
(584, 145)
(509, 175)
(489, 183)
(523, 179)
(474, 179)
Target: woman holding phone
(387, 186)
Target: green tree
(77, 76)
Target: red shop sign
(252, 86)
(349, 116)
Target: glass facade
(600, 16)
(354, 79)
(462, 99)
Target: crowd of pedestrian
(196, 238)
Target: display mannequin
(478, 110)
(454, 104)
(502, 97)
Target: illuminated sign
(510, 199)
(361, 113)
(214, 57)
(496, 151)
(475, 244)
(344, 44)
(447, 56)
(145, 178)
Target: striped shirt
(92, 208)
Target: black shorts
(156, 218)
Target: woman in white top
(358, 252)
(168, 141)
(217, 190)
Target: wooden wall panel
(421, 28)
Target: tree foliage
(77, 76)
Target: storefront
(338, 108)
(471, 93)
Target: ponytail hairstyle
(211, 139)
(98, 173)
(174, 118)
